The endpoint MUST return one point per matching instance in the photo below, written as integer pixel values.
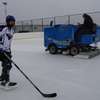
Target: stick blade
(50, 95)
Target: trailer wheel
(73, 50)
(52, 49)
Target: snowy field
(71, 78)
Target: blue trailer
(61, 38)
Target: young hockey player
(5, 48)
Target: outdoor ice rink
(71, 78)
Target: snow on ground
(71, 78)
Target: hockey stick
(43, 94)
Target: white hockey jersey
(6, 38)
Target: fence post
(32, 25)
(22, 26)
(54, 20)
(68, 19)
(42, 25)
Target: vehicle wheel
(52, 49)
(74, 51)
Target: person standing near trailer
(88, 27)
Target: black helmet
(10, 18)
(85, 15)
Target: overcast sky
(30, 9)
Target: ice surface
(71, 78)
